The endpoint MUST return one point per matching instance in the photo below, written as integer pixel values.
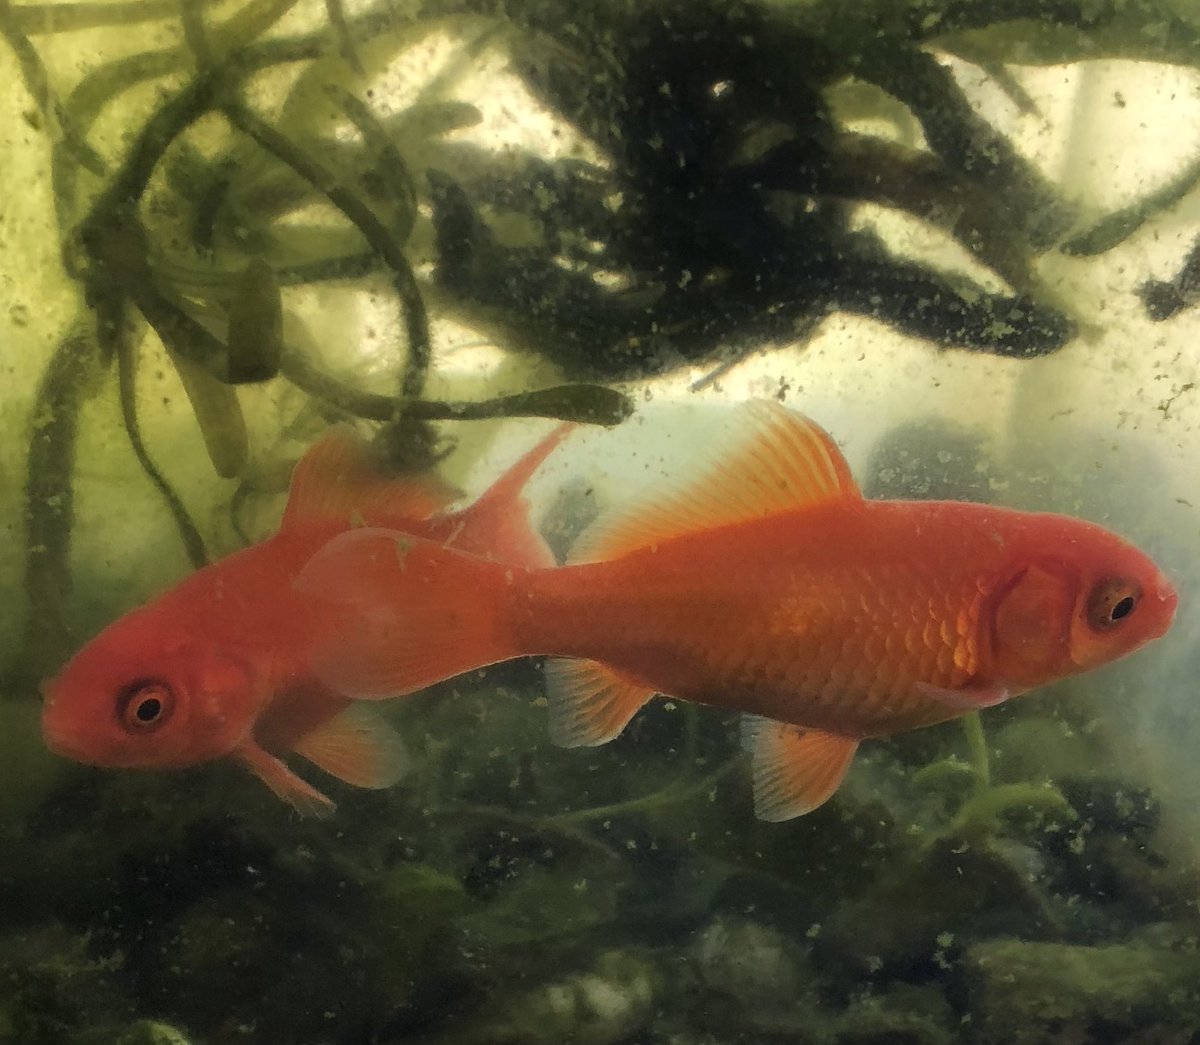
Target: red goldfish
(217, 666)
(771, 587)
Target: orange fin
(497, 525)
(589, 703)
(401, 612)
(300, 795)
(795, 769)
(358, 747)
(338, 481)
(786, 462)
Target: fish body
(218, 665)
(773, 588)
(843, 616)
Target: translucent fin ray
(589, 703)
(795, 770)
(338, 481)
(357, 747)
(785, 462)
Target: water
(948, 234)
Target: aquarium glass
(962, 237)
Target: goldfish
(217, 667)
(771, 586)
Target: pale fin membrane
(589, 703)
(338, 482)
(795, 769)
(299, 794)
(357, 747)
(404, 612)
(785, 462)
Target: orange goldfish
(771, 587)
(217, 666)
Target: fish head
(135, 697)
(1124, 601)
(1085, 598)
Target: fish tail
(399, 613)
(497, 525)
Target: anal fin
(357, 747)
(795, 769)
(589, 703)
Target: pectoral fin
(795, 770)
(357, 746)
(971, 697)
(301, 796)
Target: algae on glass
(961, 236)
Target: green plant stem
(593, 404)
(532, 824)
(678, 791)
(416, 321)
(47, 19)
(193, 543)
(977, 747)
(33, 71)
(50, 498)
(194, 33)
(336, 14)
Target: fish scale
(810, 642)
(771, 587)
(218, 666)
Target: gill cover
(148, 709)
(1031, 629)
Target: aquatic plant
(715, 214)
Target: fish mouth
(61, 742)
(1168, 599)
(60, 736)
(65, 749)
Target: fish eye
(1110, 602)
(145, 706)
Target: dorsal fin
(338, 481)
(785, 462)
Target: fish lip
(1167, 595)
(64, 744)
(61, 740)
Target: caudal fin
(497, 525)
(398, 613)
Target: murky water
(958, 236)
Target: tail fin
(497, 525)
(396, 613)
